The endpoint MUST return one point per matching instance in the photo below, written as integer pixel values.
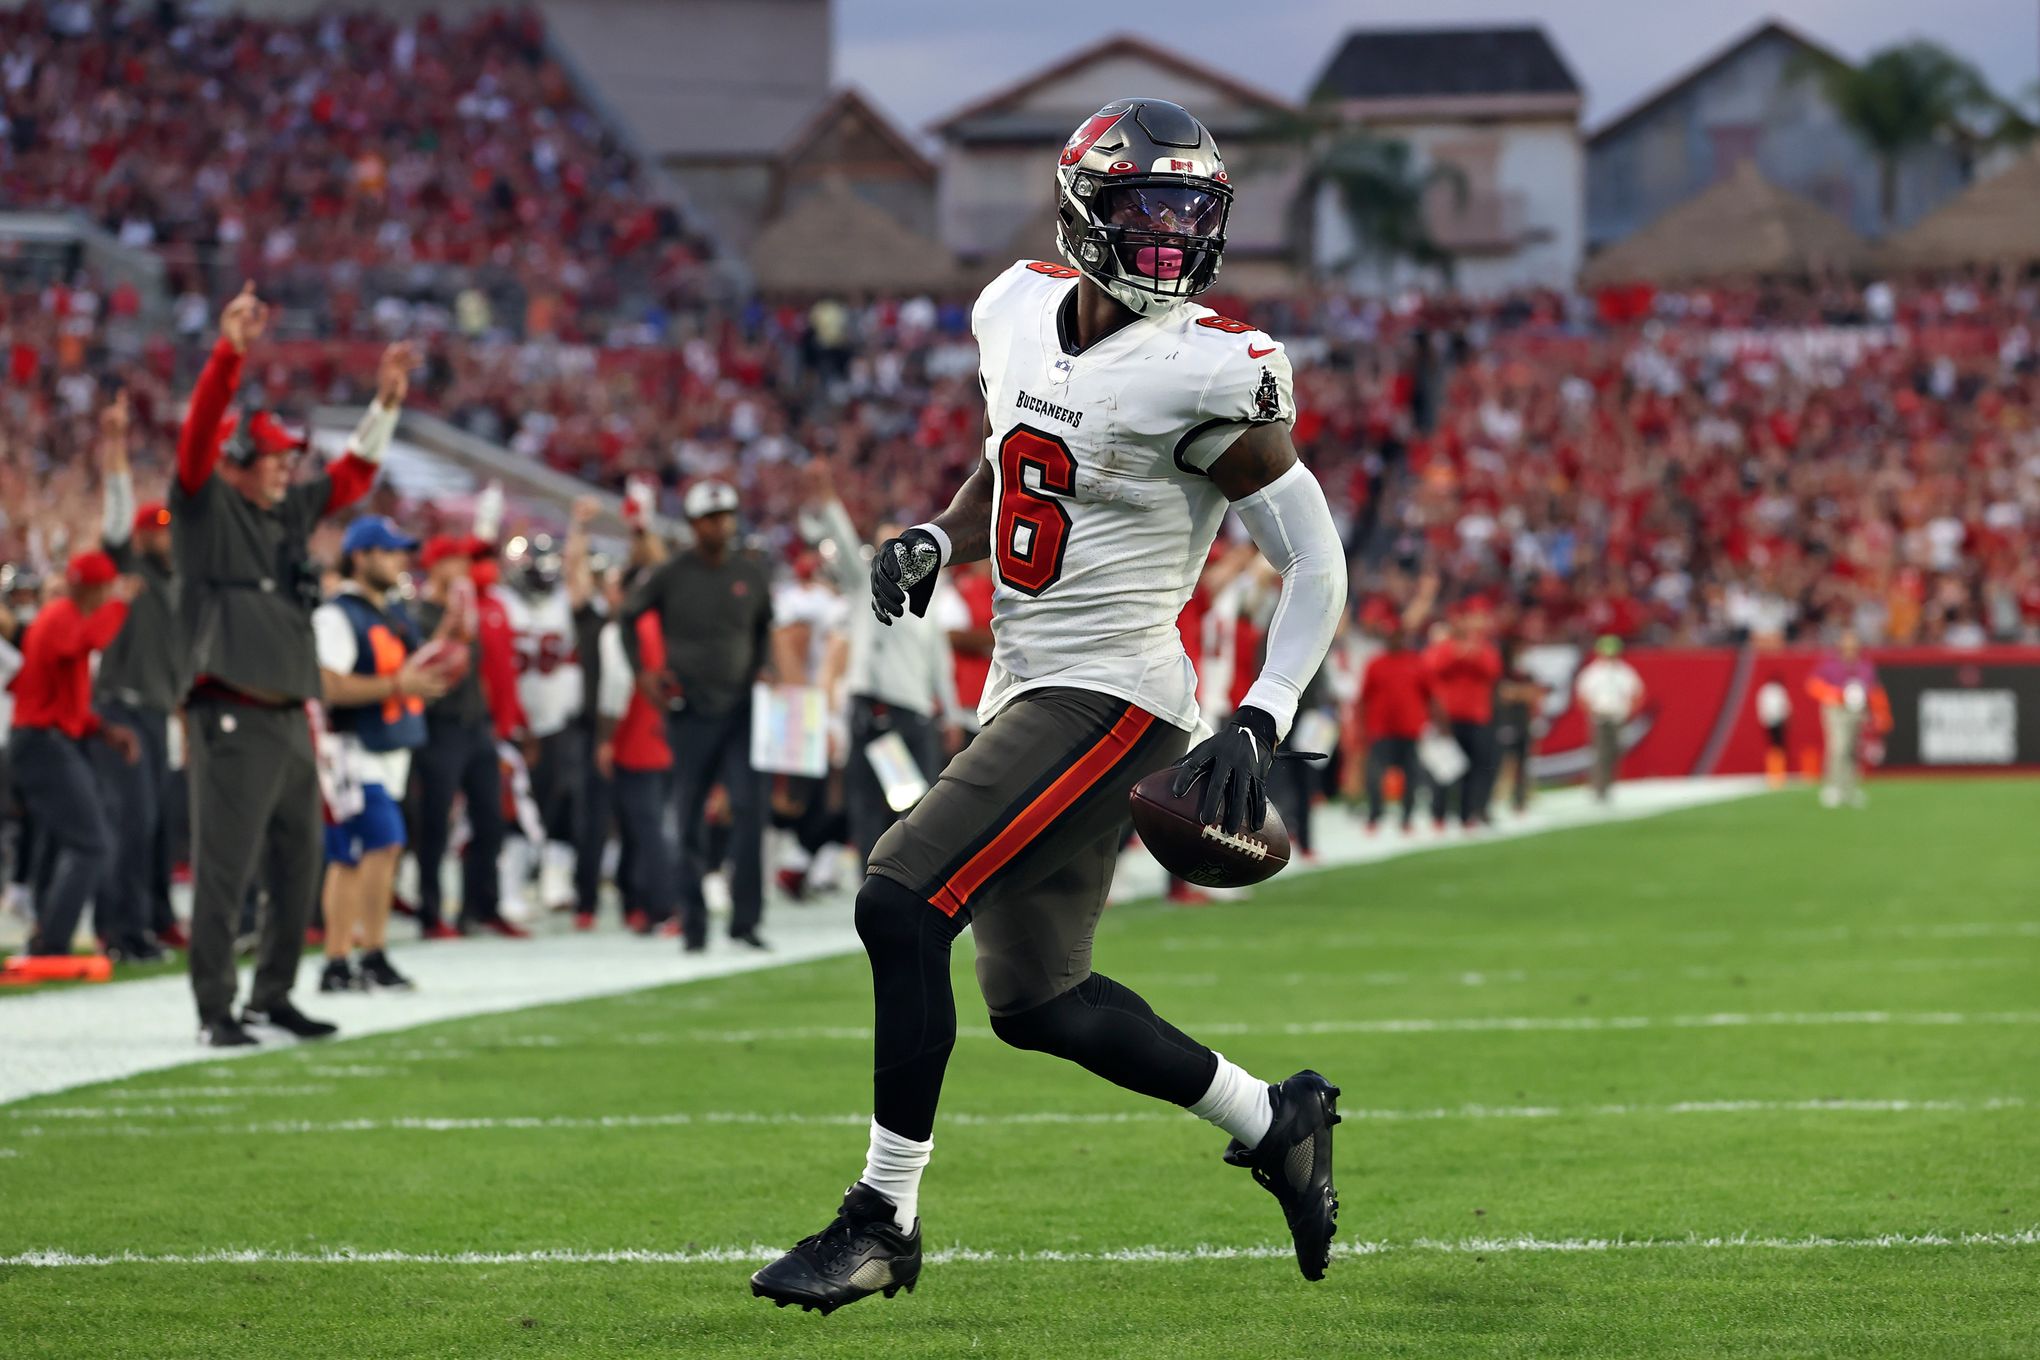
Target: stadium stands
(366, 170)
(1697, 466)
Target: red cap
(268, 434)
(152, 515)
(439, 547)
(89, 569)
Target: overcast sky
(922, 59)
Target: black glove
(1234, 764)
(903, 574)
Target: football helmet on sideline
(1142, 201)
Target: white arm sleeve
(614, 697)
(1292, 526)
(371, 438)
(848, 568)
(117, 513)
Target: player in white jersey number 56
(1123, 420)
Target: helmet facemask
(1142, 202)
(1152, 242)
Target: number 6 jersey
(1102, 515)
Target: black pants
(591, 832)
(863, 796)
(134, 885)
(710, 750)
(1512, 748)
(644, 874)
(821, 820)
(1472, 791)
(54, 776)
(458, 758)
(1383, 754)
(254, 806)
(558, 781)
(1291, 785)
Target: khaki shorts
(1021, 833)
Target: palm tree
(1909, 96)
(1379, 188)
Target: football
(1201, 854)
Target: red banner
(1951, 708)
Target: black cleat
(289, 1019)
(226, 1033)
(862, 1253)
(1294, 1164)
(378, 972)
(142, 951)
(339, 976)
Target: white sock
(893, 1167)
(1237, 1102)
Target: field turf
(1755, 1079)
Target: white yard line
(118, 1121)
(53, 1041)
(1147, 1255)
(1471, 1024)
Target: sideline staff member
(714, 603)
(139, 684)
(53, 719)
(239, 532)
(376, 684)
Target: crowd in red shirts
(1729, 465)
(372, 172)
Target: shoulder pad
(1017, 278)
(1250, 376)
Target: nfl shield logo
(1063, 369)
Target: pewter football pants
(254, 806)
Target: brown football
(1201, 854)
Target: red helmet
(1142, 201)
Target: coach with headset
(239, 529)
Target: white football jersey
(1102, 512)
(549, 680)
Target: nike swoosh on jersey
(1253, 353)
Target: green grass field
(1755, 1079)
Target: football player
(548, 585)
(1123, 420)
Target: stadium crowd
(373, 172)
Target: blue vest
(383, 642)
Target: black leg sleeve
(1108, 1030)
(914, 1025)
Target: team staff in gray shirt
(240, 525)
(904, 683)
(139, 685)
(714, 602)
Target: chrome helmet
(1142, 200)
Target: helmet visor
(1174, 209)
